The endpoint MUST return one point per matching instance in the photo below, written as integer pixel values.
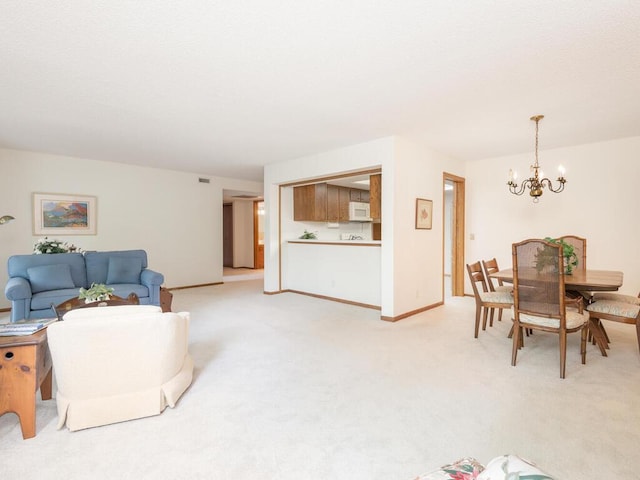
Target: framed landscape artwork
(424, 211)
(56, 214)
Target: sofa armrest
(17, 288)
(150, 278)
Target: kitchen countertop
(368, 243)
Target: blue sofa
(37, 281)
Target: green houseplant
(97, 292)
(546, 256)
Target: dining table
(579, 280)
(583, 282)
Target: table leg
(598, 335)
(45, 387)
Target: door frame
(457, 233)
(256, 232)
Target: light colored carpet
(294, 387)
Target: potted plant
(547, 256)
(96, 293)
(44, 245)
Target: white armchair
(119, 363)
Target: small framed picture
(58, 214)
(424, 213)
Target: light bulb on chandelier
(537, 182)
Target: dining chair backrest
(579, 245)
(538, 283)
(476, 275)
(491, 266)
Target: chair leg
(521, 336)
(638, 332)
(484, 318)
(517, 334)
(478, 308)
(499, 314)
(491, 317)
(563, 353)
(583, 344)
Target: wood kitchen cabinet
(322, 202)
(375, 194)
(310, 203)
(358, 195)
(337, 203)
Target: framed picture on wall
(59, 214)
(424, 213)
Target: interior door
(227, 235)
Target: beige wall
(418, 266)
(600, 202)
(172, 216)
(411, 260)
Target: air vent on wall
(244, 196)
(203, 180)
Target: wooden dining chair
(615, 307)
(579, 245)
(491, 266)
(539, 298)
(485, 299)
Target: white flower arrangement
(44, 245)
(97, 292)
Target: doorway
(453, 232)
(258, 234)
(227, 235)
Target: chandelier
(535, 183)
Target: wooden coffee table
(74, 303)
(25, 367)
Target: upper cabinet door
(310, 203)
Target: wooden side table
(25, 367)
(166, 298)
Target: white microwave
(359, 212)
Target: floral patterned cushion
(616, 297)
(497, 297)
(512, 467)
(619, 309)
(574, 319)
(464, 469)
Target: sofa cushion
(97, 263)
(511, 466)
(124, 270)
(50, 277)
(43, 300)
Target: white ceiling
(225, 87)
